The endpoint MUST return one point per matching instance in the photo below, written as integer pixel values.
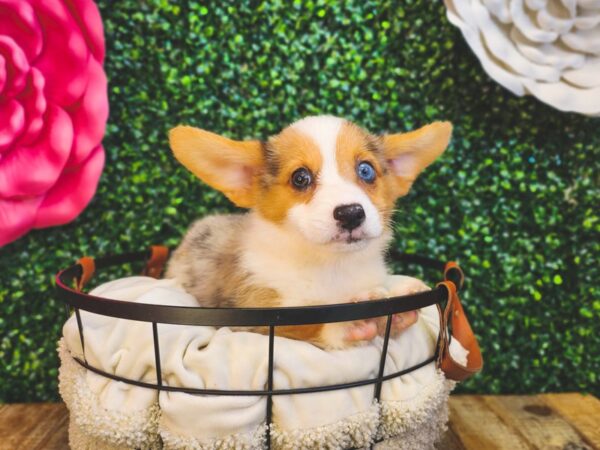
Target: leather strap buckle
(454, 315)
(453, 272)
(156, 263)
(88, 267)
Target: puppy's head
(322, 177)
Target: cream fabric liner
(118, 415)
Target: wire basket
(444, 295)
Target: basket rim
(271, 317)
(215, 316)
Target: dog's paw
(360, 330)
(341, 335)
(396, 286)
(372, 294)
(400, 322)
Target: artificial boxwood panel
(512, 199)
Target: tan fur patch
(209, 251)
(286, 152)
(354, 145)
(207, 264)
(309, 333)
(227, 165)
(418, 148)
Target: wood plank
(581, 411)
(535, 422)
(36, 426)
(478, 427)
(546, 421)
(59, 440)
(450, 441)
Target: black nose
(349, 216)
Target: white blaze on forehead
(315, 219)
(323, 131)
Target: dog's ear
(407, 154)
(227, 165)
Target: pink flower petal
(17, 66)
(33, 100)
(3, 73)
(72, 192)
(53, 111)
(12, 122)
(64, 59)
(32, 170)
(17, 217)
(88, 18)
(89, 115)
(18, 20)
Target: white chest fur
(306, 274)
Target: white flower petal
(536, 4)
(548, 54)
(471, 34)
(502, 48)
(527, 26)
(589, 4)
(587, 76)
(571, 6)
(565, 97)
(549, 51)
(499, 8)
(587, 18)
(555, 18)
(460, 11)
(585, 41)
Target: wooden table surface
(477, 422)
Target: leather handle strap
(88, 267)
(156, 263)
(154, 266)
(453, 272)
(462, 332)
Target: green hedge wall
(513, 199)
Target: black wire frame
(270, 317)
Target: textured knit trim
(96, 427)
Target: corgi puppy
(321, 195)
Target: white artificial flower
(546, 48)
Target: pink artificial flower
(53, 112)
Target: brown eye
(301, 178)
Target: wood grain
(478, 427)
(581, 411)
(450, 441)
(34, 426)
(545, 421)
(535, 422)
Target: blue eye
(366, 172)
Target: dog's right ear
(408, 154)
(227, 165)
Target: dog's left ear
(230, 166)
(409, 153)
